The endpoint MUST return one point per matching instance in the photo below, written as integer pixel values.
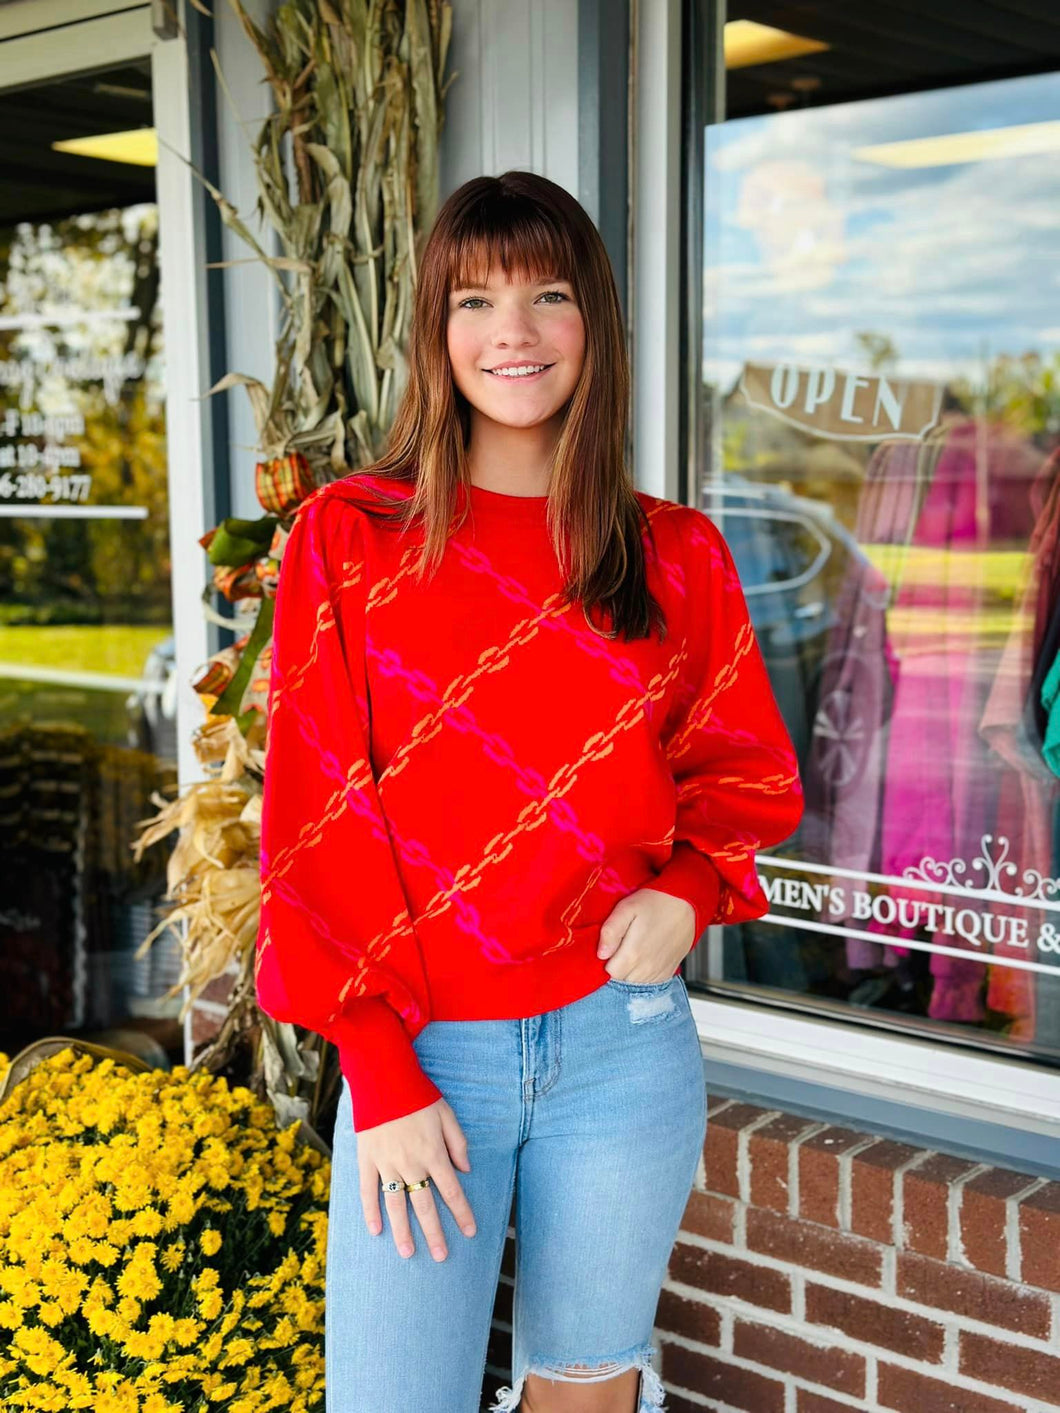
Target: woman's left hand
(646, 936)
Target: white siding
(515, 100)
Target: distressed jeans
(592, 1116)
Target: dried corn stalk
(347, 168)
(347, 173)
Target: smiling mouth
(517, 377)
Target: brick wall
(820, 1269)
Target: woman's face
(520, 323)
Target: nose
(514, 328)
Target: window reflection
(881, 449)
(87, 702)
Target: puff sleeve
(733, 761)
(337, 952)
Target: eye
(477, 299)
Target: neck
(515, 460)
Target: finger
(455, 1139)
(370, 1198)
(427, 1214)
(397, 1211)
(613, 930)
(449, 1189)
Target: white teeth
(518, 372)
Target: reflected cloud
(949, 262)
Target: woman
(522, 749)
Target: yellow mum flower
(173, 1255)
(102, 1322)
(210, 1241)
(210, 1304)
(10, 1315)
(237, 1351)
(146, 1222)
(90, 1217)
(186, 1330)
(140, 1278)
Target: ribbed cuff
(380, 1065)
(691, 875)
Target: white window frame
(52, 38)
(935, 1075)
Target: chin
(525, 422)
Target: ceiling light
(747, 42)
(139, 146)
(989, 144)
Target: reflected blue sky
(807, 245)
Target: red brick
(872, 1188)
(769, 1150)
(204, 1026)
(816, 1247)
(816, 1403)
(694, 1319)
(925, 1203)
(1039, 1216)
(713, 1378)
(816, 1363)
(901, 1330)
(675, 1403)
(975, 1296)
(984, 1217)
(1010, 1366)
(727, 1275)
(722, 1144)
(709, 1216)
(819, 1173)
(910, 1392)
(218, 988)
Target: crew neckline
(531, 507)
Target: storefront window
(880, 444)
(86, 649)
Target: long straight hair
(531, 227)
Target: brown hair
(531, 226)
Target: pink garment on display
(1029, 789)
(941, 793)
(844, 769)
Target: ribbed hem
(377, 1057)
(690, 875)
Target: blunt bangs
(512, 233)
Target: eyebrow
(547, 280)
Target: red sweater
(464, 779)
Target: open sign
(843, 406)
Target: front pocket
(643, 985)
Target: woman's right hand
(422, 1144)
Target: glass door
(87, 678)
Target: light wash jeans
(593, 1116)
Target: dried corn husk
(347, 175)
(347, 172)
